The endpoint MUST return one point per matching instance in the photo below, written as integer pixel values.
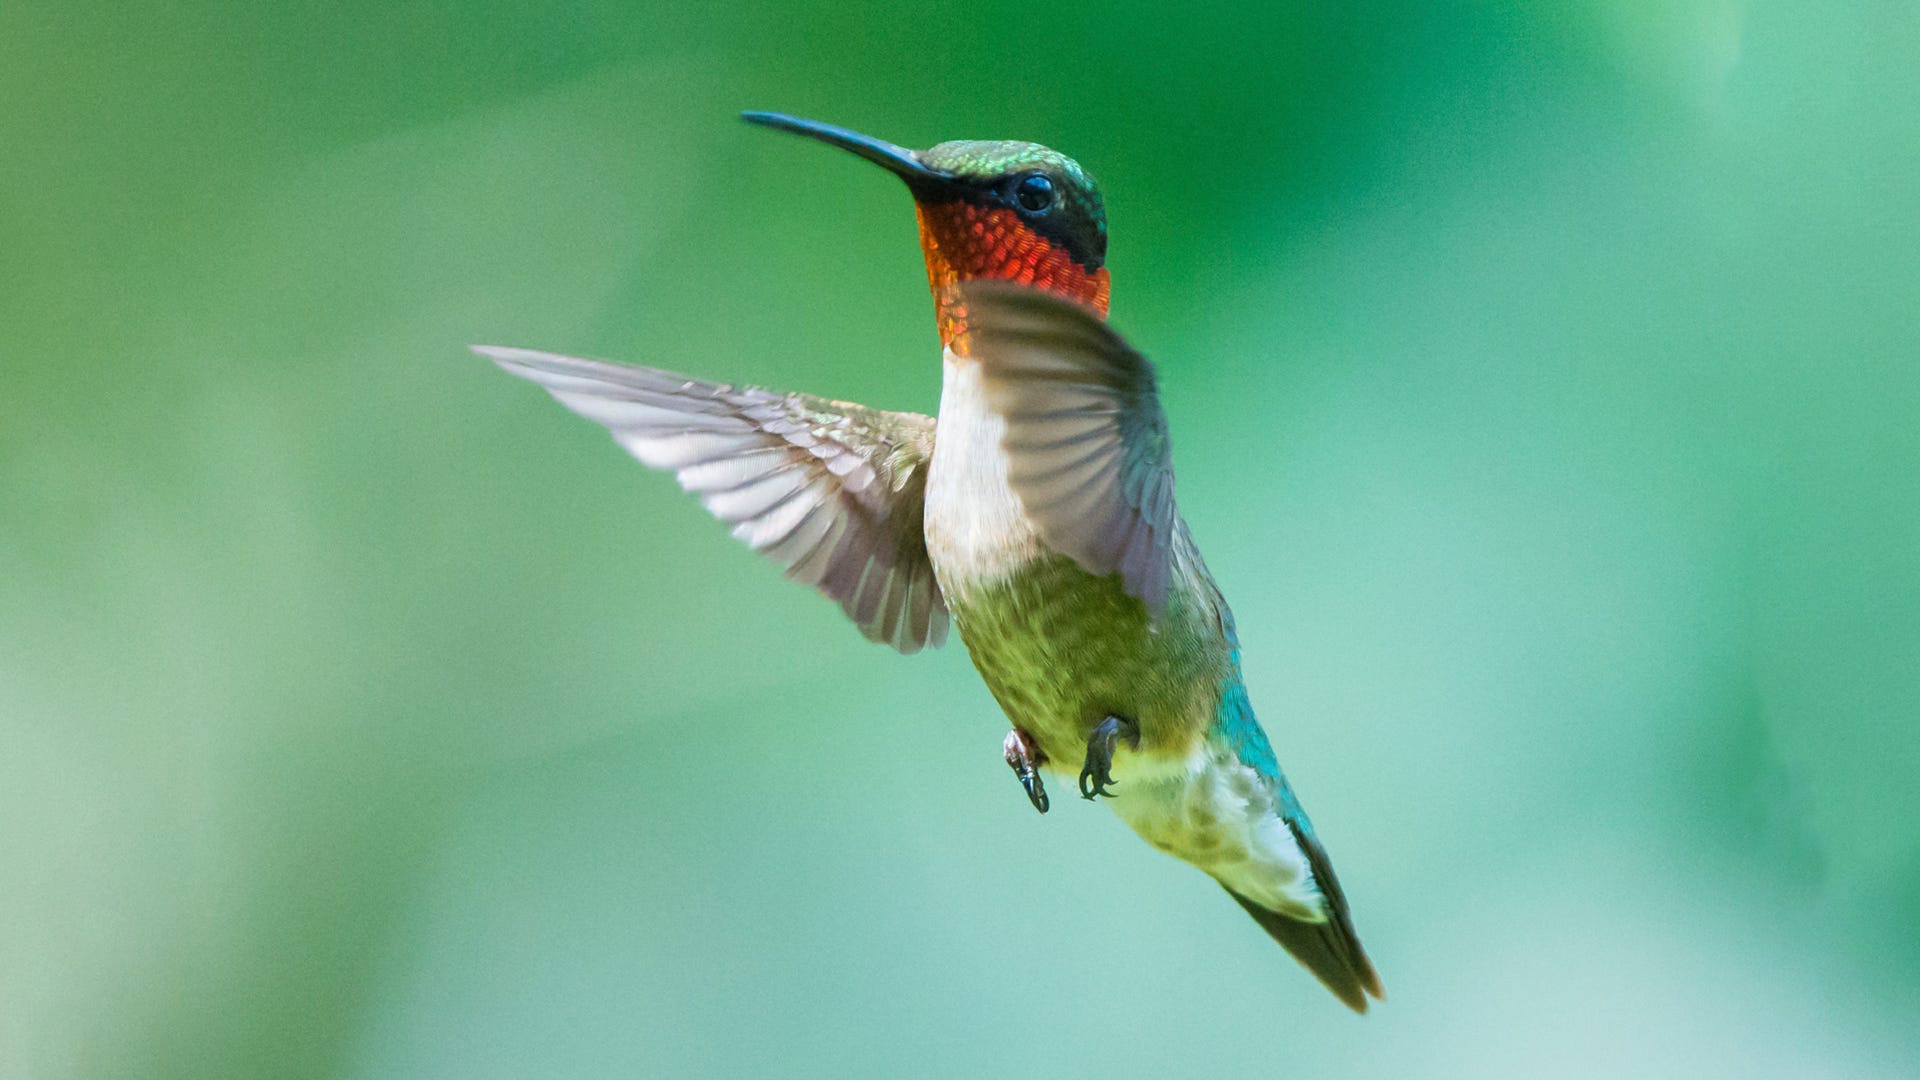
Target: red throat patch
(964, 242)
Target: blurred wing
(1086, 441)
(830, 490)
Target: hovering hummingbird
(1037, 513)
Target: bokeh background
(1544, 381)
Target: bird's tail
(1329, 948)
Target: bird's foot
(1096, 776)
(1024, 758)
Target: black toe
(1096, 776)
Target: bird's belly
(1062, 650)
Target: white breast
(977, 531)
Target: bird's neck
(965, 242)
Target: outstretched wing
(832, 491)
(1086, 440)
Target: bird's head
(1011, 211)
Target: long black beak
(898, 160)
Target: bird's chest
(977, 532)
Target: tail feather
(1330, 949)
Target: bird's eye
(1033, 192)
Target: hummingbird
(1035, 513)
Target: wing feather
(1086, 440)
(831, 491)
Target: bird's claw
(1096, 776)
(1093, 783)
(1024, 758)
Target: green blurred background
(1544, 380)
